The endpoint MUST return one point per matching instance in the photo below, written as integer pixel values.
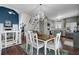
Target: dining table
(45, 38)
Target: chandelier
(40, 15)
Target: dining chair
(35, 42)
(10, 38)
(17, 33)
(55, 45)
(28, 42)
(0, 45)
(1, 30)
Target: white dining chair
(28, 42)
(35, 42)
(1, 30)
(55, 45)
(0, 45)
(10, 38)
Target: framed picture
(7, 23)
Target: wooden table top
(47, 37)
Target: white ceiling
(51, 10)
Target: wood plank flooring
(71, 50)
(14, 50)
(17, 50)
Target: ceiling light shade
(11, 12)
(59, 17)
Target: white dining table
(45, 38)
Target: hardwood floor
(71, 50)
(17, 50)
(74, 51)
(23, 39)
(14, 50)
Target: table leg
(45, 50)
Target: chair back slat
(35, 38)
(30, 37)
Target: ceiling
(51, 10)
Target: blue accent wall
(4, 15)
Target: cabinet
(69, 35)
(76, 40)
(78, 23)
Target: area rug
(51, 52)
(23, 46)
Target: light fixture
(11, 12)
(59, 18)
(40, 15)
